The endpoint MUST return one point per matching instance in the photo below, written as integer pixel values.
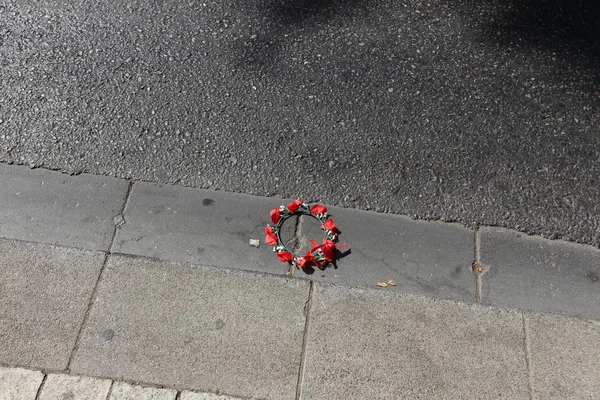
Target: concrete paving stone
(370, 344)
(430, 258)
(204, 396)
(200, 226)
(565, 354)
(125, 391)
(62, 387)
(198, 328)
(50, 207)
(44, 293)
(19, 383)
(532, 273)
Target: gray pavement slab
(372, 344)
(200, 226)
(532, 273)
(565, 354)
(197, 328)
(65, 387)
(50, 207)
(125, 391)
(430, 258)
(44, 294)
(19, 383)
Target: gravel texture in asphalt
(482, 112)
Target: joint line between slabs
(87, 313)
(296, 244)
(112, 384)
(297, 233)
(308, 312)
(39, 391)
(122, 214)
(527, 346)
(477, 267)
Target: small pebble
(254, 242)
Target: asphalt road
(482, 112)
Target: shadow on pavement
(556, 25)
(287, 12)
(566, 28)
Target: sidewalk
(152, 285)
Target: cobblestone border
(27, 384)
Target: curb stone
(195, 225)
(540, 275)
(423, 257)
(213, 228)
(53, 208)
